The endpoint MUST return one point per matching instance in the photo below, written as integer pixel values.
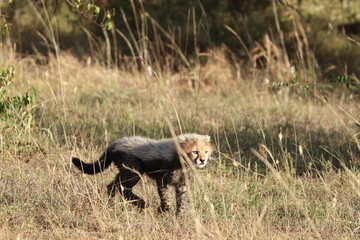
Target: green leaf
(97, 9)
(34, 95)
(108, 25)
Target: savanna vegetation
(274, 83)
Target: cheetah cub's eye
(195, 152)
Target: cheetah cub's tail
(92, 168)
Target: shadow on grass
(297, 148)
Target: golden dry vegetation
(82, 106)
(286, 160)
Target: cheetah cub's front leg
(164, 196)
(180, 198)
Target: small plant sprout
(280, 137)
(301, 150)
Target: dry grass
(44, 201)
(81, 107)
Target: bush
(10, 103)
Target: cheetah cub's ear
(181, 139)
(208, 138)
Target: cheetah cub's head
(197, 147)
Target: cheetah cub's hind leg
(124, 181)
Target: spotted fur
(169, 162)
